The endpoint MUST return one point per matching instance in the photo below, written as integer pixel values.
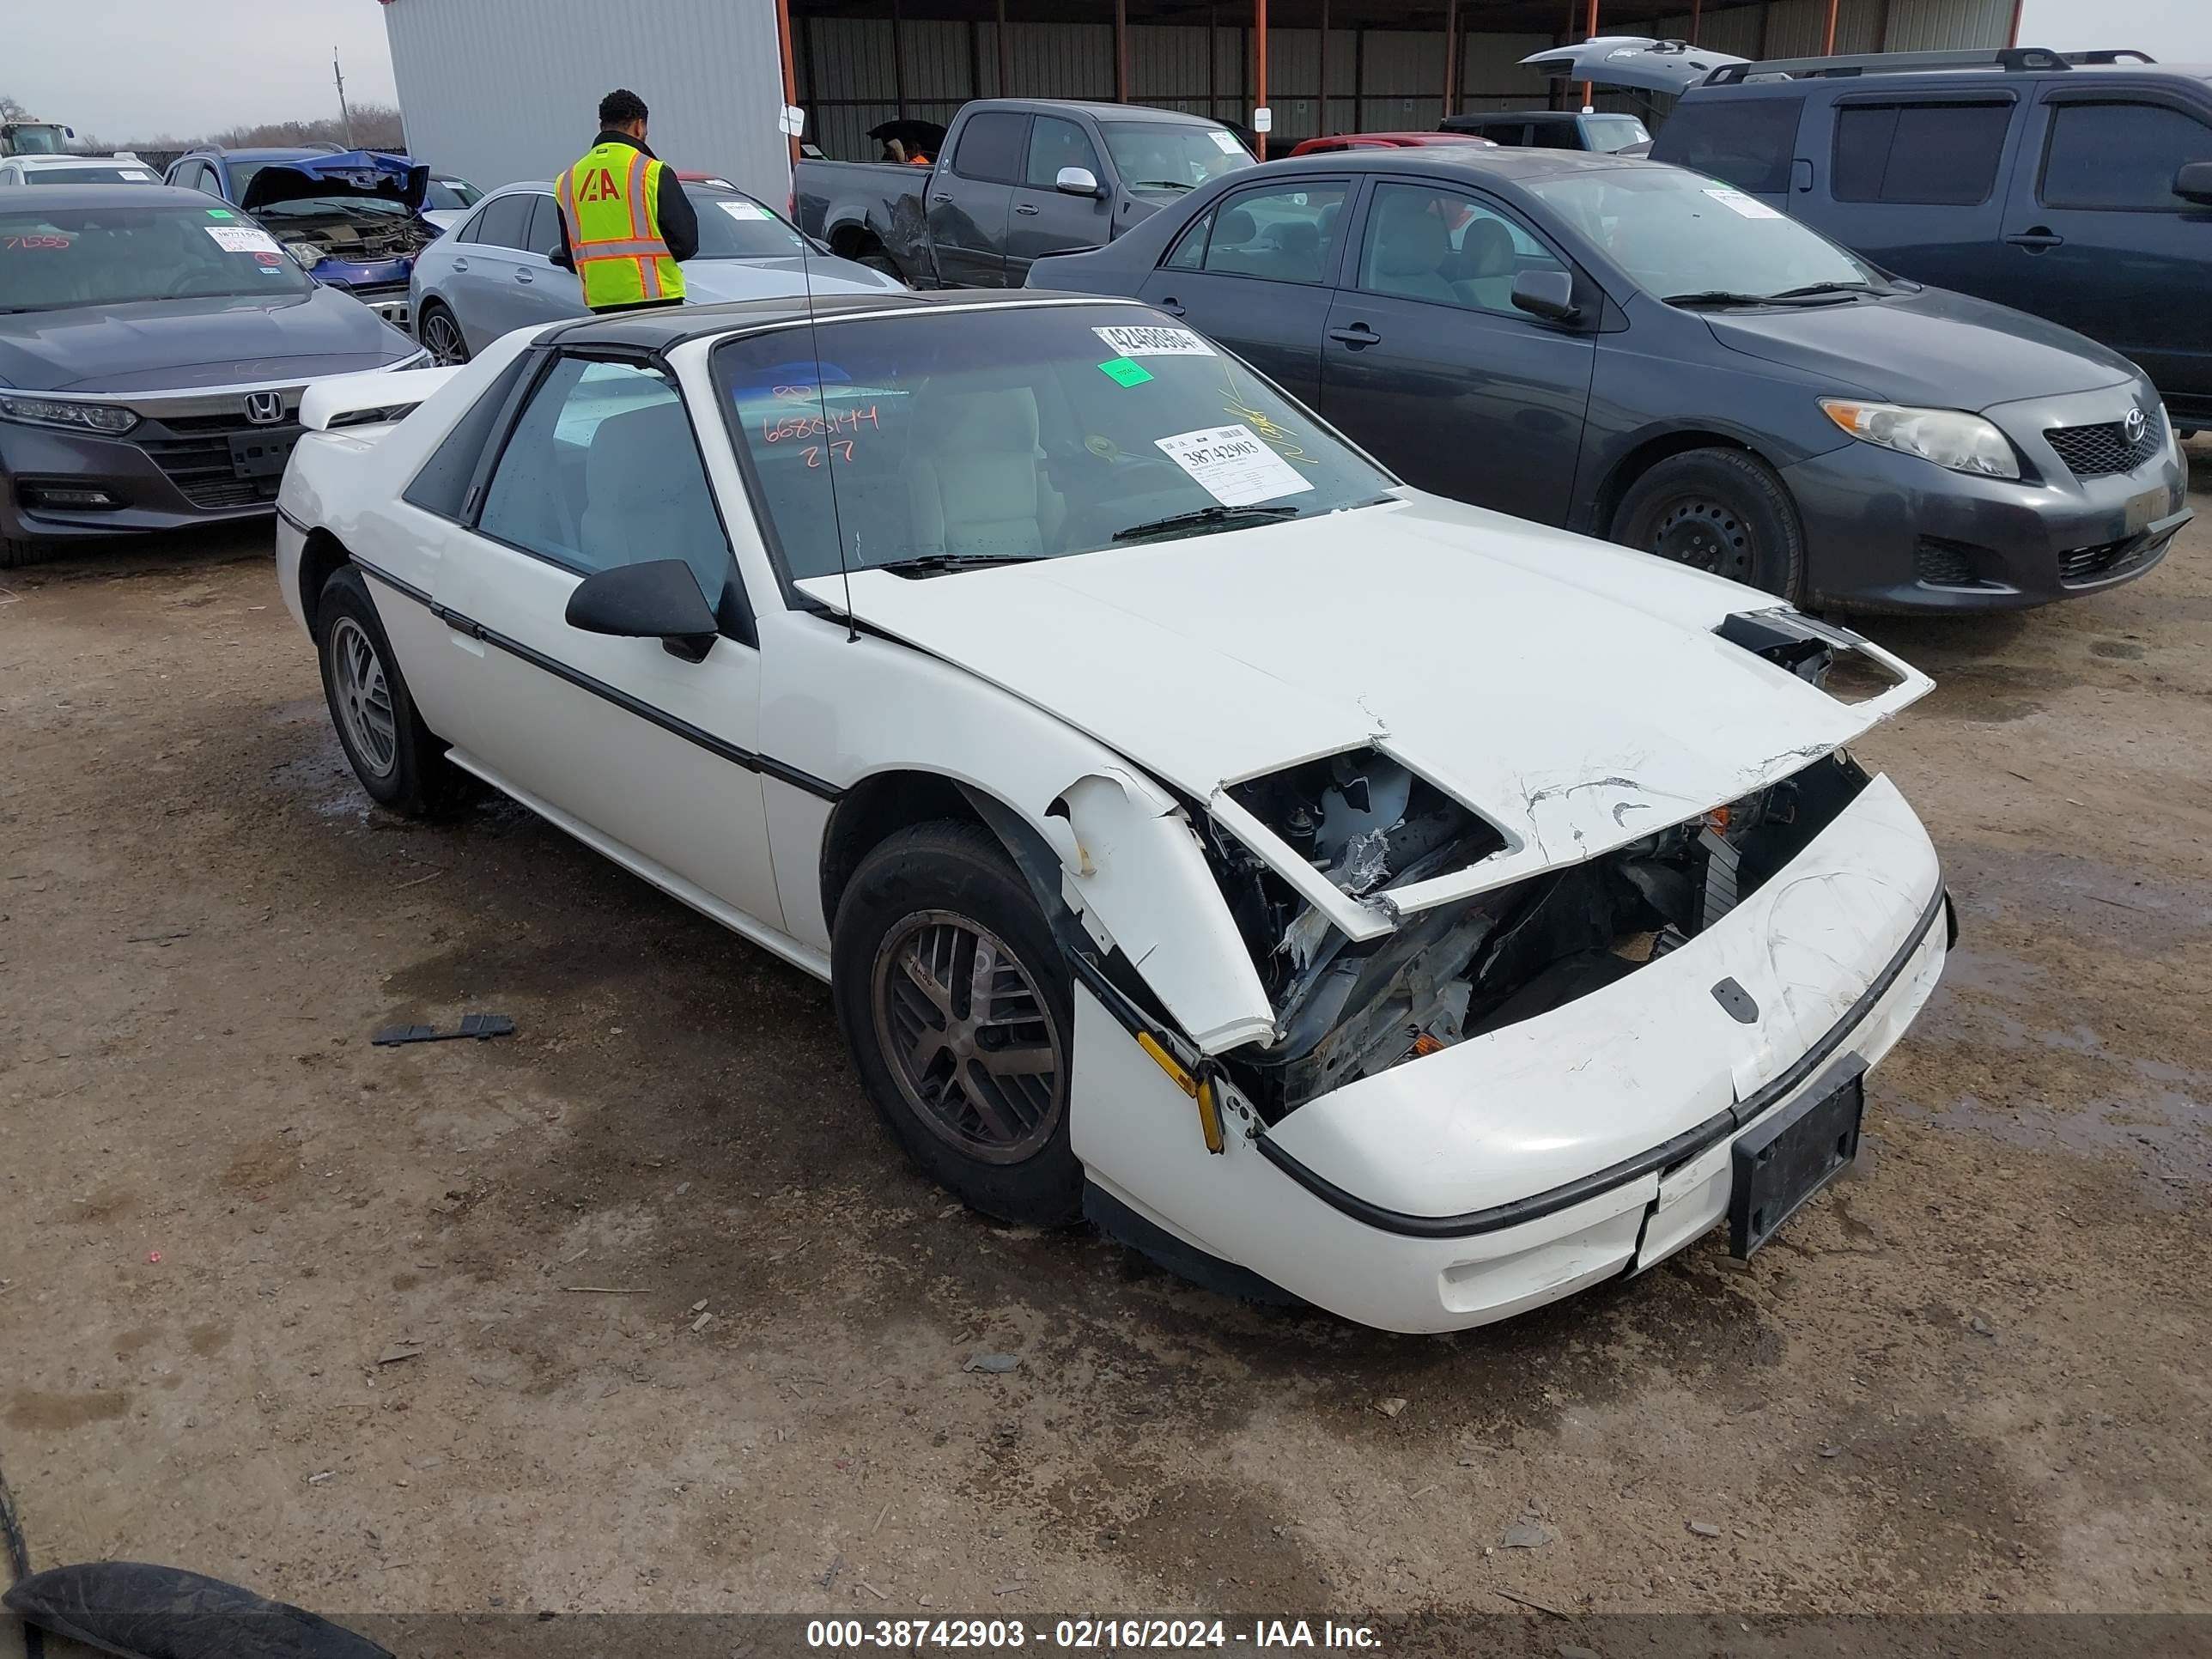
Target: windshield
(116, 175)
(1680, 232)
(1611, 132)
(94, 256)
(1167, 155)
(450, 194)
(1006, 435)
(37, 140)
(734, 226)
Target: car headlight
(419, 359)
(55, 411)
(1949, 437)
(306, 255)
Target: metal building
(502, 89)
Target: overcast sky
(132, 69)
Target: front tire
(1717, 510)
(398, 761)
(955, 1002)
(440, 332)
(16, 551)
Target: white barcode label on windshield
(1231, 465)
(1227, 142)
(241, 239)
(1154, 341)
(1736, 202)
(743, 209)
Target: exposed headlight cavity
(1949, 437)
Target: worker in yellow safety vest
(625, 221)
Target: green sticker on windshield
(220, 213)
(1125, 371)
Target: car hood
(709, 282)
(364, 173)
(1632, 60)
(177, 344)
(1573, 692)
(1933, 346)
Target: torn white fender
(1140, 874)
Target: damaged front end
(1347, 1008)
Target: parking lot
(638, 1310)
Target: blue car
(351, 219)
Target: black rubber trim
(288, 518)
(1682, 1147)
(766, 765)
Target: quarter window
(1931, 153)
(601, 471)
(1286, 234)
(2120, 155)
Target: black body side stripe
(1668, 1153)
(766, 765)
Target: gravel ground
(1973, 1376)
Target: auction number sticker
(743, 209)
(1154, 341)
(1736, 202)
(242, 239)
(1227, 142)
(1233, 465)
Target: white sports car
(1332, 891)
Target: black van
(2076, 186)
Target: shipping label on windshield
(1231, 465)
(242, 239)
(1736, 202)
(743, 209)
(1225, 142)
(1154, 341)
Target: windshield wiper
(1206, 517)
(931, 564)
(1819, 294)
(1162, 183)
(1811, 288)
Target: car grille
(387, 300)
(2099, 451)
(2089, 564)
(1944, 564)
(198, 462)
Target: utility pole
(345, 115)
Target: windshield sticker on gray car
(1230, 464)
(743, 209)
(1154, 341)
(1736, 202)
(242, 239)
(1227, 142)
(1124, 371)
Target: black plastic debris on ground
(145, 1611)
(479, 1026)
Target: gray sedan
(1645, 353)
(153, 347)
(496, 273)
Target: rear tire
(437, 329)
(1717, 510)
(975, 1089)
(398, 759)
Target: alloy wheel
(364, 697)
(443, 336)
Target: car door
(1254, 271)
(971, 199)
(1045, 219)
(1428, 365)
(639, 747)
(545, 293)
(2095, 239)
(1915, 183)
(488, 295)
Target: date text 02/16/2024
(1083, 1635)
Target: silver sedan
(495, 273)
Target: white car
(1328, 889)
(121, 168)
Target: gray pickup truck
(1016, 180)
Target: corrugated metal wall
(1796, 28)
(498, 90)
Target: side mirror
(1076, 181)
(660, 600)
(2193, 183)
(1549, 295)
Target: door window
(1930, 154)
(1054, 144)
(1426, 242)
(505, 221)
(1287, 235)
(602, 469)
(991, 147)
(2119, 156)
(544, 235)
(1744, 141)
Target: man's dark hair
(620, 107)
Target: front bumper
(380, 284)
(161, 475)
(1515, 1169)
(1889, 532)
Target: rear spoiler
(359, 399)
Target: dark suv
(2076, 186)
(1551, 129)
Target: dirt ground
(1972, 1377)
